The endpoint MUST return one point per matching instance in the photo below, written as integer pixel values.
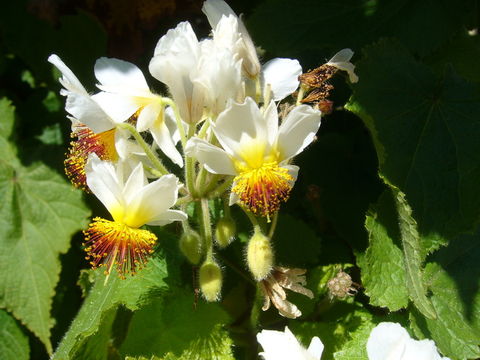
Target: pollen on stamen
(87, 142)
(110, 243)
(262, 190)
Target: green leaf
(13, 342)
(383, 265)
(414, 256)
(454, 274)
(39, 213)
(7, 117)
(356, 347)
(133, 293)
(317, 29)
(426, 132)
(174, 329)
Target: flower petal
(282, 77)
(148, 115)
(118, 107)
(387, 341)
(137, 180)
(298, 130)
(104, 183)
(167, 217)
(315, 349)
(280, 345)
(164, 140)
(341, 60)
(120, 76)
(214, 159)
(68, 79)
(85, 110)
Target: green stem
(206, 227)
(273, 226)
(258, 89)
(301, 93)
(203, 130)
(183, 200)
(178, 119)
(152, 157)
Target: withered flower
(341, 286)
(274, 285)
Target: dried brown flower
(341, 286)
(274, 285)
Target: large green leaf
(39, 213)
(175, 329)
(454, 280)
(426, 132)
(318, 28)
(133, 292)
(13, 342)
(383, 265)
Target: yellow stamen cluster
(102, 144)
(110, 243)
(263, 189)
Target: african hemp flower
(390, 341)
(94, 130)
(279, 345)
(132, 203)
(125, 93)
(257, 151)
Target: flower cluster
(218, 134)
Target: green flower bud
(225, 231)
(259, 256)
(210, 280)
(191, 246)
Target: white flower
(279, 345)
(390, 341)
(257, 151)
(132, 202)
(126, 93)
(215, 10)
(341, 60)
(175, 59)
(79, 103)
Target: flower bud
(225, 231)
(210, 280)
(259, 256)
(191, 247)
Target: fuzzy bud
(210, 280)
(225, 231)
(191, 247)
(259, 256)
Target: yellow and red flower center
(110, 243)
(102, 144)
(263, 189)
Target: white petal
(271, 120)
(164, 140)
(152, 201)
(298, 130)
(68, 79)
(214, 159)
(104, 183)
(282, 76)
(240, 124)
(167, 217)
(341, 60)
(292, 170)
(280, 345)
(315, 349)
(233, 199)
(214, 9)
(387, 341)
(118, 107)
(120, 76)
(85, 110)
(148, 116)
(136, 181)
(421, 350)
(172, 124)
